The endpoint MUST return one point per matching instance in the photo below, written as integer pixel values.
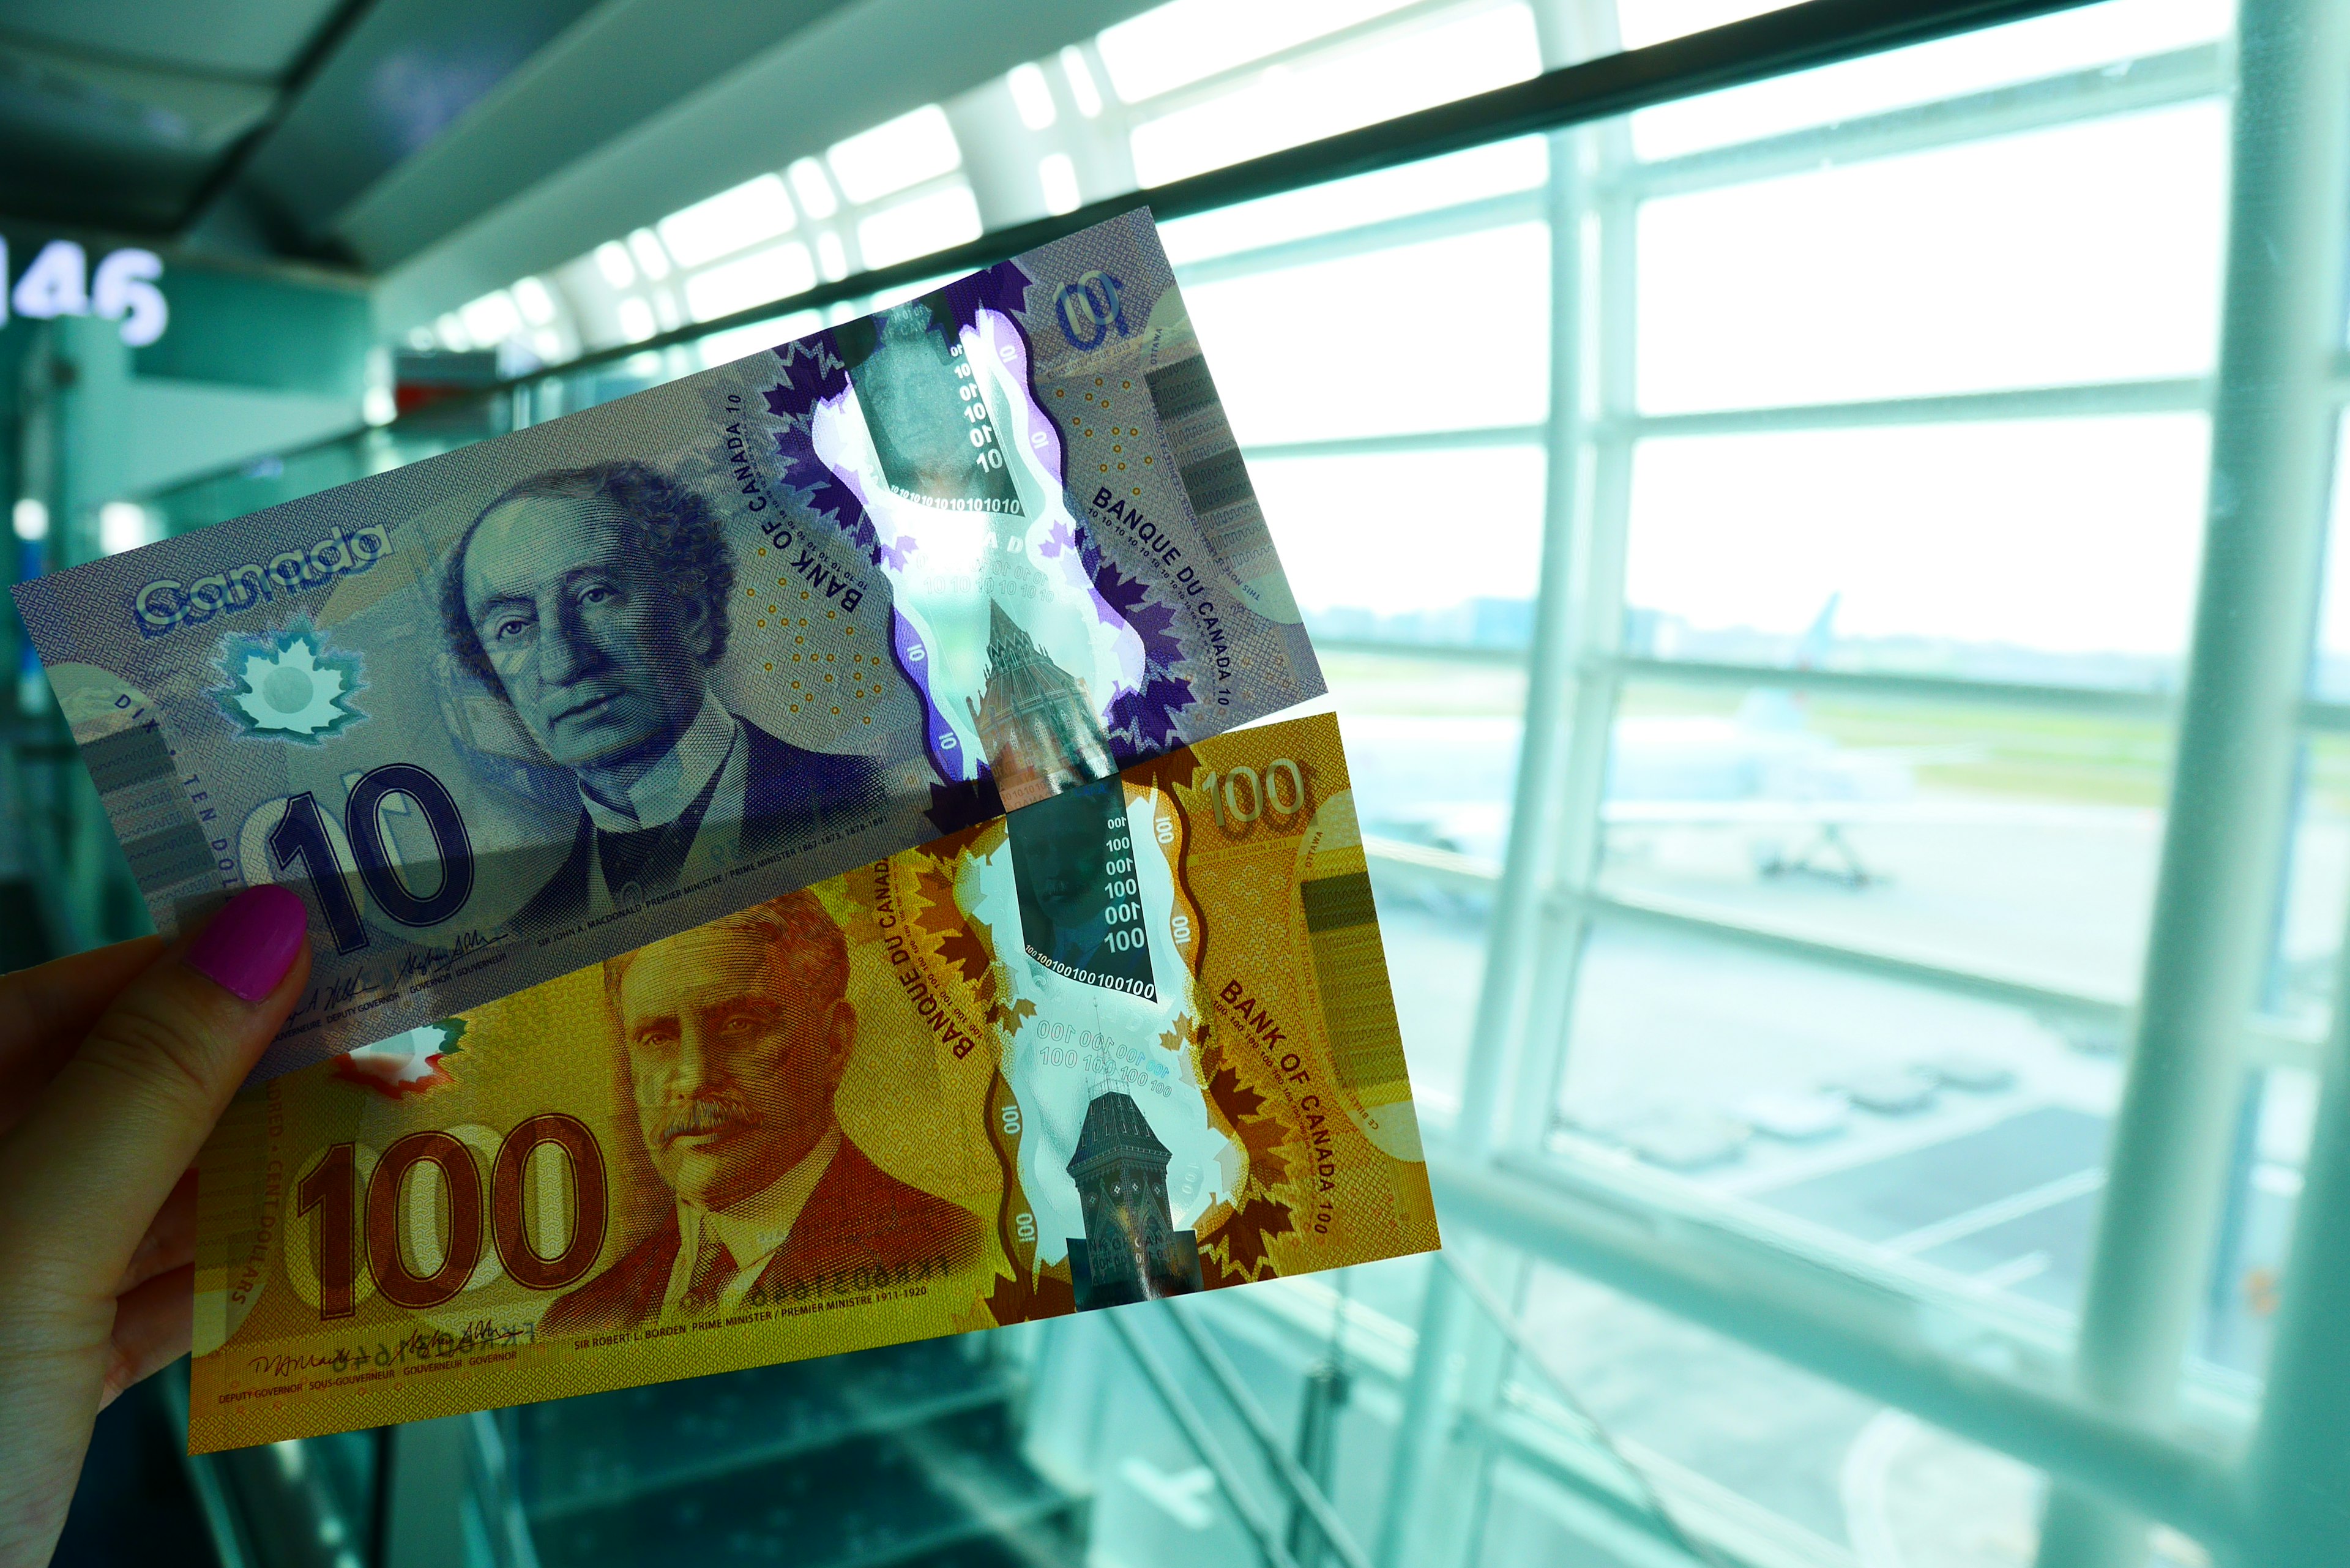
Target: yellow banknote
(1134, 1040)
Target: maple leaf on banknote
(1146, 716)
(1021, 1301)
(1224, 1087)
(962, 941)
(1245, 1234)
(1262, 1137)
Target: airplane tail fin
(1813, 650)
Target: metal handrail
(1303, 1487)
(1594, 1430)
(1204, 1443)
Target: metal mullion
(2268, 1041)
(2208, 945)
(2152, 706)
(1848, 1319)
(1474, 439)
(1208, 88)
(2326, 718)
(1426, 1457)
(1690, 920)
(1411, 228)
(2088, 400)
(2178, 75)
(1545, 1032)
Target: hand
(114, 1065)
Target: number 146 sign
(58, 282)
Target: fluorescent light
(492, 318)
(815, 191)
(1081, 82)
(123, 525)
(918, 227)
(635, 320)
(738, 284)
(755, 209)
(612, 261)
(896, 154)
(1032, 94)
(651, 259)
(32, 519)
(537, 305)
(1058, 175)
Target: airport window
(1780, 818)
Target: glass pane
(2329, 672)
(1763, 1452)
(1961, 1139)
(1404, 68)
(2008, 842)
(1501, 169)
(2089, 252)
(1431, 746)
(1906, 548)
(2255, 1232)
(1350, 319)
(2082, 39)
(2304, 971)
(1349, 522)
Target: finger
(47, 1010)
(170, 1241)
(153, 1326)
(109, 1138)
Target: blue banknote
(512, 710)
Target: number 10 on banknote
(515, 709)
(1130, 1043)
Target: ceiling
(436, 149)
(263, 119)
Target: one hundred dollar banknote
(512, 710)
(1129, 1043)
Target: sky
(2081, 254)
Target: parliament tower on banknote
(1036, 722)
(1131, 1251)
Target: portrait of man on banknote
(593, 602)
(733, 1039)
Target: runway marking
(2047, 1195)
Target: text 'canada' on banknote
(510, 709)
(1132, 1041)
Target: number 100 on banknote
(515, 709)
(1133, 1042)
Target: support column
(1432, 1467)
(2297, 1467)
(2272, 436)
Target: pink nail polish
(251, 943)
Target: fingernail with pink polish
(251, 943)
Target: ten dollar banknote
(520, 707)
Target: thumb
(124, 1117)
